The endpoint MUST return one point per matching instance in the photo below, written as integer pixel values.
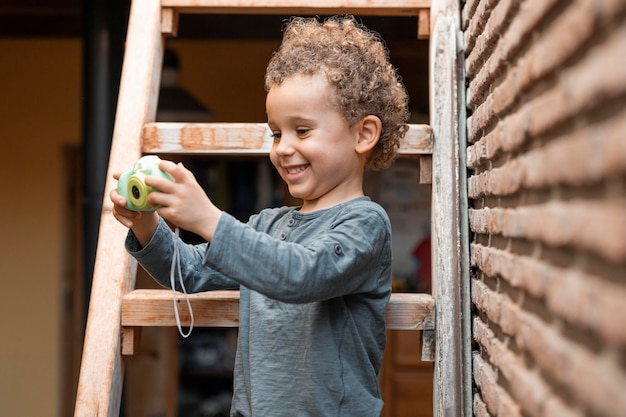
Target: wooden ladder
(116, 309)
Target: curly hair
(356, 64)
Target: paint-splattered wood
(250, 139)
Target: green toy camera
(132, 187)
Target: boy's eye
(302, 131)
(276, 136)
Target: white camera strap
(173, 270)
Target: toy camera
(131, 184)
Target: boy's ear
(369, 131)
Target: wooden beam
(101, 374)
(131, 337)
(423, 24)
(446, 219)
(429, 345)
(251, 139)
(426, 169)
(155, 307)
(169, 22)
(301, 7)
(410, 311)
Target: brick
(608, 10)
(558, 43)
(596, 381)
(476, 154)
(484, 302)
(596, 151)
(547, 94)
(497, 400)
(508, 136)
(471, 23)
(476, 24)
(488, 39)
(468, 11)
(549, 111)
(601, 225)
(479, 407)
(480, 87)
(589, 90)
(496, 182)
(519, 271)
(516, 37)
(579, 89)
(505, 94)
(554, 406)
(514, 132)
(527, 387)
(486, 381)
(482, 120)
(588, 302)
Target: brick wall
(546, 125)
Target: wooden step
(301, 7)
(247, 139)
(419, 8)
(140, 308)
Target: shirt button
(338, 250)
(283, 236)
(291, 222)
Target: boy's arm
(144, 226)
(156, 258)
(343, 260)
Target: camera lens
(136, 192)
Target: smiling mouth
(296, 169)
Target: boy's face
(314, 147)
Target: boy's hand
(183, 202)
(143, 223)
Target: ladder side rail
(101, 375)
(448, 393)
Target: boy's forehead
(306, 83)
(303, 84)
(299, 96)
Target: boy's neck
(323, 204)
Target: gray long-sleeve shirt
(314, 287)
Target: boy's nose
(284, 146)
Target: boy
(314, 279)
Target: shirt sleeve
(156, 258)
(340, 260)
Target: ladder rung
(359, 7)
(245, 139)
(140, 308)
